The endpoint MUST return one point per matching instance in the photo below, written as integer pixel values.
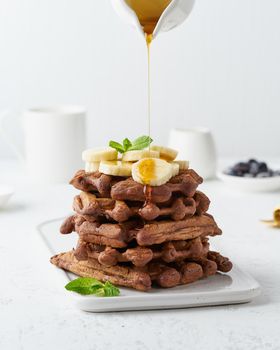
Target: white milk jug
(54, 139)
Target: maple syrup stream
(148, 13)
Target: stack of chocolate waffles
(138, 236)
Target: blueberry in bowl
(251, 168)
(251, 175)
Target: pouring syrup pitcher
(153, 17)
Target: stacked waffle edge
(137, 243)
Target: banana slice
(115, 168)
(175, 168)
(91, 167)
(134, 156)
(166, 153)
(152, 171)
(183, 164)
(98, 154)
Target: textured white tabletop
(34, 314)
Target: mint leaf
(88, 286)
(140, 143)
(85, 291)
(83, 282)
(100, 292)
(84, 286)
(126, 144)
(110, 290)
(117, 146)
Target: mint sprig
(127, 145)
(88, 286)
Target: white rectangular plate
(232, 288)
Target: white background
(220, 69)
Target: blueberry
(239, 173)
(241, 168)
(254, 169)
(263, 167)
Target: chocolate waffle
(162, 274)
(119, 235)
(120, 275)
(177, 208)
(121, 189)
(141, 256)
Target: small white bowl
(249, 184)
(5, 194)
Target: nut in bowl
(251, 176)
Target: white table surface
(34, 313)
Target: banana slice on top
(91, 167)
(115, 168)
(166, 153)
(183, 164)
(98, 154)
(134, 156)
(175, 168)
(152, 171)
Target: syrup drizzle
(148, 194)
(149, 38)
(148, 13)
